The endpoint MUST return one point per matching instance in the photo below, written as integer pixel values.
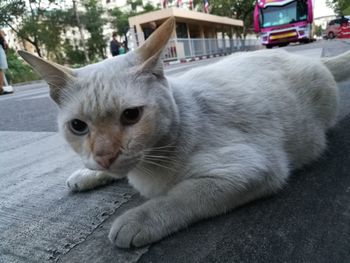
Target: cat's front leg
(219, 183)
(188, 202)
(86, 179)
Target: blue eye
(78, 127)
(131, 116)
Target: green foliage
(134, 4)
(18, 71)
(73, 55)
(318, 30)
(120, 19)
(340, 7)
(149, 8)
(41, 26)
(238, 9)
(94, 21)
(10, 10)
(44, 30)
(346, 11)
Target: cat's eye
(78, 127)
(131, 116)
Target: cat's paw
(85, 179)
(135, 228)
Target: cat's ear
(152, 48)
(55, 75)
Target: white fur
(216, 137)
(232, 132)
(85, 179)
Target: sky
(321, 9)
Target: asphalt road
(41, 221)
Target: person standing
(114, 45)
(3, 66)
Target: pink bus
(280, 22)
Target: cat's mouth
(120, 165)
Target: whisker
(167, 163)
(161, 158)
(160, 151)
(144, 170)
(164, 146)
(159, 165)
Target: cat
(197, 145)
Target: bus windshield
(281, 15)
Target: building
(196, 34)
(323, 20)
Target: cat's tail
(339, 66)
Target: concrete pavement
(41, 221)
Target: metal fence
(184, 48)
(188, 48)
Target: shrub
(17, 70)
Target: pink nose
(106, 160)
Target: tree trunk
(81, 31)
(37, 49)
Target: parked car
(334, 26)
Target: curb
(185, 60)
(28, 83)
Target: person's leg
(1, 81)
(4, 89)
(4, 78)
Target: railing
(183, 48)
(188, 48)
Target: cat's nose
(106, 159)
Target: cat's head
(113, 112)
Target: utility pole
(81, 30)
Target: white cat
(199, 145)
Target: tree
(244, 10)
(18, 71)
(35, 22)
(42, 28)
(134, 4)
(148, 7)
(340, 7)
(238, 9)
(120, 19)
(318, 30)
(93, 21)
(10, 10)
(73, 55)
(76, 22)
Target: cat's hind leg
(86, 179)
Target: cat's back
(267, 78)
(265, 95)
(239, 79)
(257, 68)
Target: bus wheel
(283, 44)
(269, 46)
